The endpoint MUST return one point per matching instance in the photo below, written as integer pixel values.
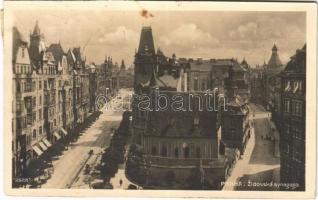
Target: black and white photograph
(137, 98)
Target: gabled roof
(245, 64)
(237, 67)
(57, 51)
(77, 53)
(297, 63)
(18, 41)
(70, 57)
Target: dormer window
(288, 86)
(296, 86)
(146, 48)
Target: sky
(191, 34)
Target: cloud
(120, 37)
(249, 30)
(188, 36)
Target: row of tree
(115, 153)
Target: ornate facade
(51, 92)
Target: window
(40, 85)
(54, 122)
(40, 130)
(287, 129)
(287, 86)
(297, 132)
(195, 83)
(298, 108)
(18, 87)
(296, 86)
(176, 152)
(196, 121)
(40, 113)
(34, 134)
(198, 152)
(22, 55)
(40, 100)
(286, 105)
(186, 152)
(153, 151)
(296, 155)
(164, 151)
(286, 148)
(300, 86)
(34, 101)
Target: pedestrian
(120, 182)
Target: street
(69, 166)
(259, 166)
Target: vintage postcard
(160, 99)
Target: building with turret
(52, 96)
(267, 84)
(178, 144)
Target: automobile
(101, 185)
(132, 187)
(95, 173)
(87, 169)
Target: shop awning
(64, 131)
(42, 145)
(46, 142)
(37, 150)
(57, 135)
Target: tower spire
(36, 30)
(146, 44)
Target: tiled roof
(36, 30)
(18, 40)
(77, 53)
(274, 61)
(297, 63)
(201, 65)
(181, 123)
(167, 80)
(57, 51)
(146, 44)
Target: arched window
(186, 152)
(176, 152)
(153, 151)
(198, 152)
(164, 151)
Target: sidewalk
(121, 174)
(238, 170)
